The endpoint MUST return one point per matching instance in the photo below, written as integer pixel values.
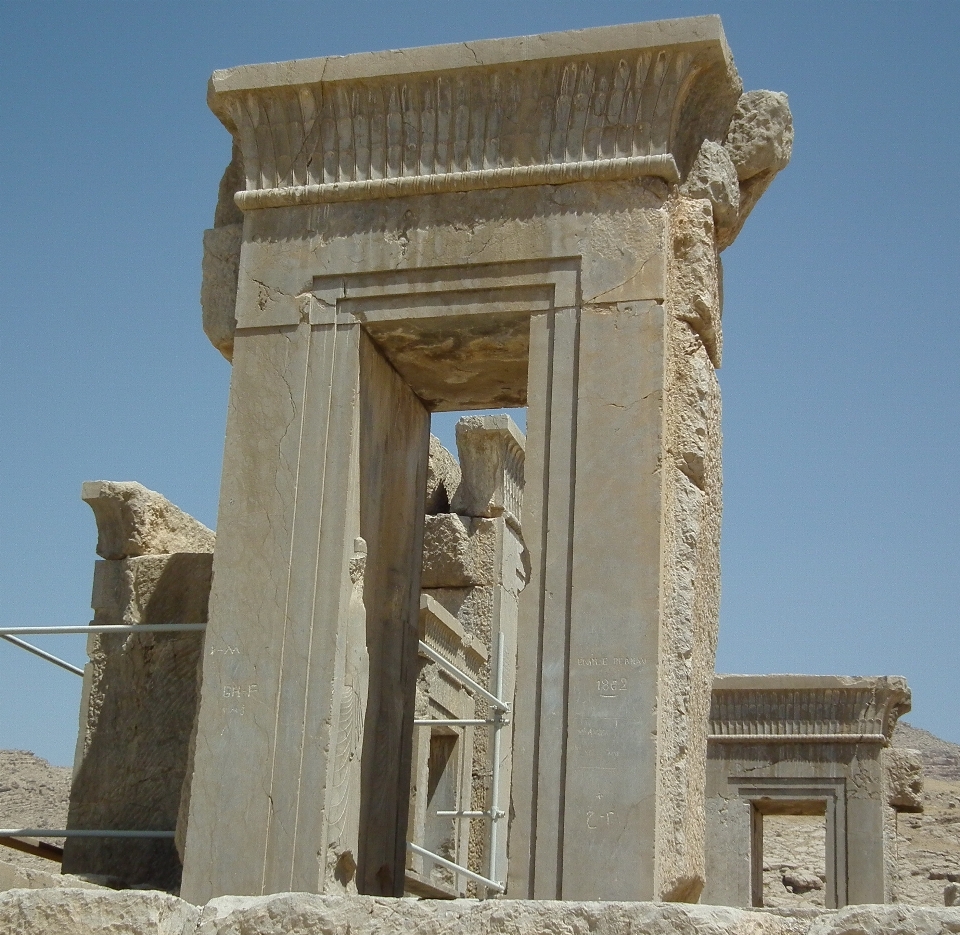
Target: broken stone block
(714, 177)
(79, 911)
(903, 778)
(491, 461)
(443, 478)
(218, 288)
(132, 520)
(140, 691)
(458, 551)
(760, 136)
(759, 141)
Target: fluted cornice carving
(806, 708)
(600, 104)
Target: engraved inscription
(225, 651)
(595, 660)
(239, 691)
(599, 820)
(610, 688)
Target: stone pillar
(139, 690)
(520, 221)
(325, 446)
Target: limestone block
(443, 478)
(458, 551)
(694, 272)
(218, 288)
(903, 779)
(26, 878)
(886, 920)
(141, 700)
(760, 136)
(69, 911)
(714, 177)
(132, 520)
(296, 913)
(759, 141)
(491, 461)
(951, 894)
(231, 182)
(140, 690)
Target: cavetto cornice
(806, 708)
(617, 102)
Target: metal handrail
(78, 833)
(104, 628)
(456, 868)
(11, 634)
(463, 678)
(42, 653)
(494, 813)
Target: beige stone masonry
(140, 691)
(810, 745)
(531, 221)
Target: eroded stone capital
(591, 105)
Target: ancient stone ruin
(515, 222)
(492, 673)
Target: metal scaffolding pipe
(75, 833)
(105, 628)
(463, 678)
(495, 770)
(451, 722)
(43, 654)
(450, 865)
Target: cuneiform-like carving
(473, 128)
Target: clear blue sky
(840, 376)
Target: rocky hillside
(33, 794)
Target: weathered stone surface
(15, 878)
(696, 297)
(760, 136)
(458, 551)
(802, 745)
(491, 462)
(443, 478)
(903, 777)
(887, 920)
(714, 177)
(759, 141)
(83, 912)
(221, 260)
(140, 691)
(690, 547)
(487, 264)
(218, 287)
(132, 520)
(296, 913)
(68, 911)
(139, 705)
(951, 894)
